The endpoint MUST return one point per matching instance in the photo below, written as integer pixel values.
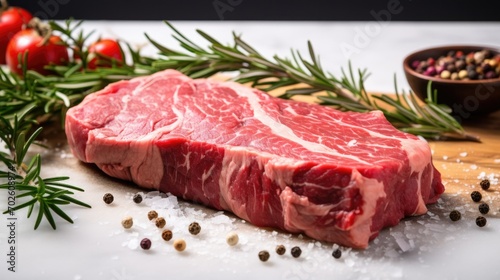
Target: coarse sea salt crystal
(473, 167)
(352, 143)
(463, 154)
(133, 243)
(496, 160)
(400, 240)
(445, 157)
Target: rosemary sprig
(347, 92)
(25, 179)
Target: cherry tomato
(103, 53)
(39, 54)
(11, 21)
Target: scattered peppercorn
(296, 251)
(264, 255)
(137, 198)
(108, 198)
(127, 222)
(337, 253)
(232, 238)
(476, 196)
(152, 215)
(194, 228)
(280, 250)
(146, 244)
(484, 208)
(480, 221)
(166, 235)
(485, 184)
(160, 222)
(455, 215)
(180, 245)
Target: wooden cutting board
(461, 163)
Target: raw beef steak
(335, 176)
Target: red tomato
(104, 52)
(39, 54)
(11, 21)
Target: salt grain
(133, 243)
(463, 154)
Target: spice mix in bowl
(466, 78)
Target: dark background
(355, 10)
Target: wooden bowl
(466, 98)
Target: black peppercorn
(455, 215)
(280, 250)
(480, 221)
(160, 222)
(484, 208)
(108, 198)
(485, 184)
(264, 256)
(337, 253)
(472, 74)
(296, 251)
(152, 215)
(476, 196)
(137, 198)
(194, 228)
(166, 235)
(146, 244)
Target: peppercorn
(232, 239)
(462, 74)
(476, 65)
(490, 75)
(476, 196)
(484, 208)
(194, 228)
(108, 198)
(337, 253)
(480, 221)
(296, 251)
(152, 215)
(280, 250)
(137, 198)
(472, 74)
(145, 243)
(445, 74)
(127, 222)
(455, 215)
(160, 222)
(485, 184)
(264, 255)
(166, 235)
(180, 245)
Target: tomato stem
(4, 6)
(43, 29)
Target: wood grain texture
(460, 163)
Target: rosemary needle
(48, 193)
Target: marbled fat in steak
(304, 168)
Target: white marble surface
(96, 247)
